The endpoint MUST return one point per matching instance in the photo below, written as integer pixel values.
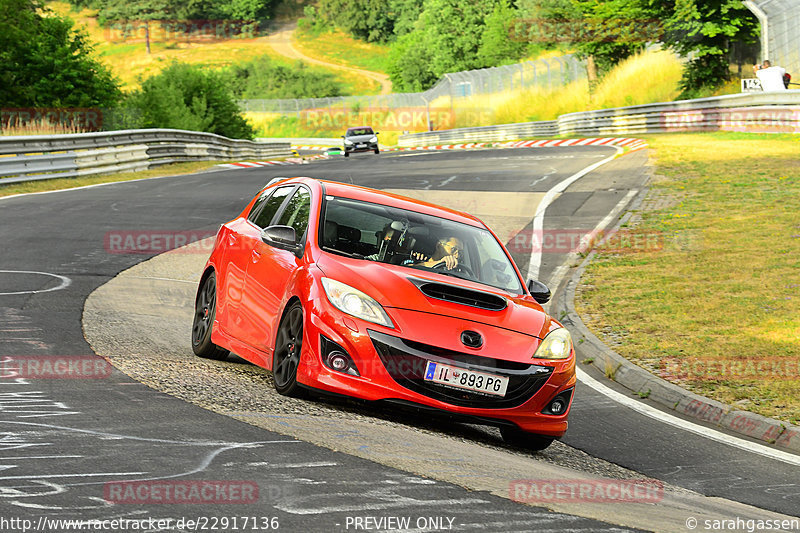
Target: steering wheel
(460, 267)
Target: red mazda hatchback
(342, 289)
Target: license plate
(466, 379)
(360, 145)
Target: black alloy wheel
(205, 310)
(288, 347)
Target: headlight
(374, 140)
(348, 141)
(354, 302)
(556, 345)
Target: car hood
(360, 138)
(397, 287)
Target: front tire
(346, 153)
(523, 439)
(377, 151)
(286, 357)
(205, 311)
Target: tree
(187, 97)
(370, 20)
(409, 64)
(705, 28)
(45, 62)
(132, 14)
(498, 44)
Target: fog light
(559, 404)
(337, 361)
(336, 358)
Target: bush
(189, 98)
(261, 78)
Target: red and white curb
(291, 161)
(625, 142)
(628, 143)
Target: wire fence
(448, 91)
(780, 32)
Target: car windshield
(358, 131)
(375, 232)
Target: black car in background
(360, 139)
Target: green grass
(130, 62)
(338, 47)
(724, 287)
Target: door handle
(255, 256)
(231, 239)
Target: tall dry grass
(40, 128)
(641, 79)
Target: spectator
(771, 78)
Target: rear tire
(286, 356)
(346, 154)
(377, 151)
(523, 439)
(205, 311)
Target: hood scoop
(460, 295)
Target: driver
(447, 251)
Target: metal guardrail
(39, 157)
(777, 112)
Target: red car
(348, 290)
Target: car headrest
(330, 232)
(349, 234)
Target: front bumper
(360, 147)
(391, 367)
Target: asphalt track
(62, 440)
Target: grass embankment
(69, 183)
(717, 309)
(129, 61)
(338, 47)
(642, 79)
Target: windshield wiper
(342, 252)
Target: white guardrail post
(774, 112)
(39, 157)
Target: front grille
(460, 295)
(406, 361)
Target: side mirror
(342, 136)
(281, 237)
(539, 291)
(377, 133)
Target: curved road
(63, 441)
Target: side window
(297, 212)
(262, 217)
